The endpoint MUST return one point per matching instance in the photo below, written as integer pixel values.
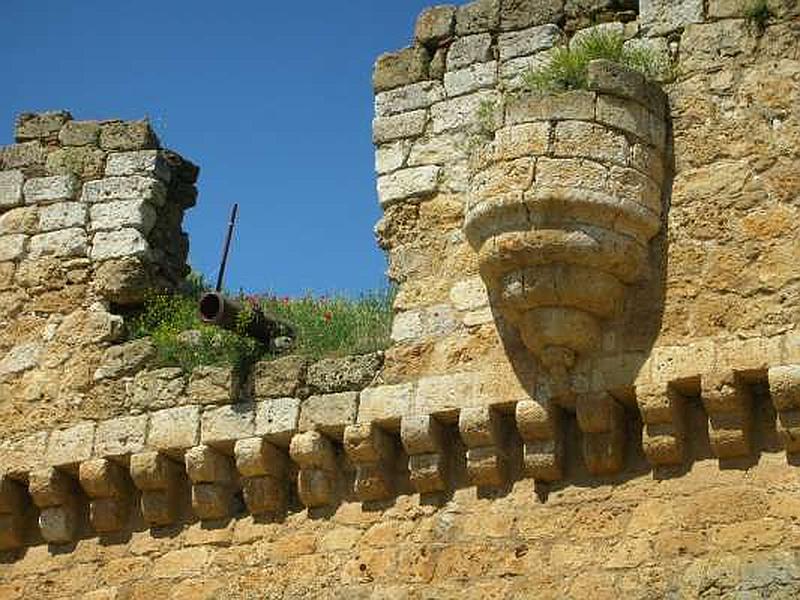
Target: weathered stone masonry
(594, 388)
(346, 445)
(90, 220)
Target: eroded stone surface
(721, 325)
(351, 373)
(406, 66)
(279, 378)
(127, 135)
(329, 413)
(174, 428)
(662, 16)
(11, 188)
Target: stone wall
(90, 219)
(640, 441)
(626, 248)
(708, 533)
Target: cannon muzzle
(216, 309)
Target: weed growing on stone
(325, 326)
(485, 126)
(757, 13)
(568, 65)
(487, 118)
(182, 339)
(336, 325)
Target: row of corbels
(728, 401)
(263, 471)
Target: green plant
(337, 325)
(334, 326)
(567, 67)
(487, 117)
(648, 62)
(486, 124)
(194, 285)
(757, 13)
(181, 339)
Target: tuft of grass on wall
(568, 66)
(181, 339)
(336, 325)
(487, 117)
(757, 13)
(325, 326)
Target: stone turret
(563, 204)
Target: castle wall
(90, 219)
(461, 146)
(456, 464)
(730, 225)
(708, 533)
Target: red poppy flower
(327, 316)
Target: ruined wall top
(90, 221)
(97, 198)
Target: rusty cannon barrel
(216, 309)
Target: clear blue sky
(271, 98)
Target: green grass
(487, 117)
(757, 13)
(165, 317)
(567, 68)
(325, 326)
(337, 325)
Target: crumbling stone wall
(90, 219)
(463, 464)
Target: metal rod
(227, 246)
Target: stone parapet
(205, 456)
(104, 191)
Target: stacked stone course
(341, 454)
(102, 193)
